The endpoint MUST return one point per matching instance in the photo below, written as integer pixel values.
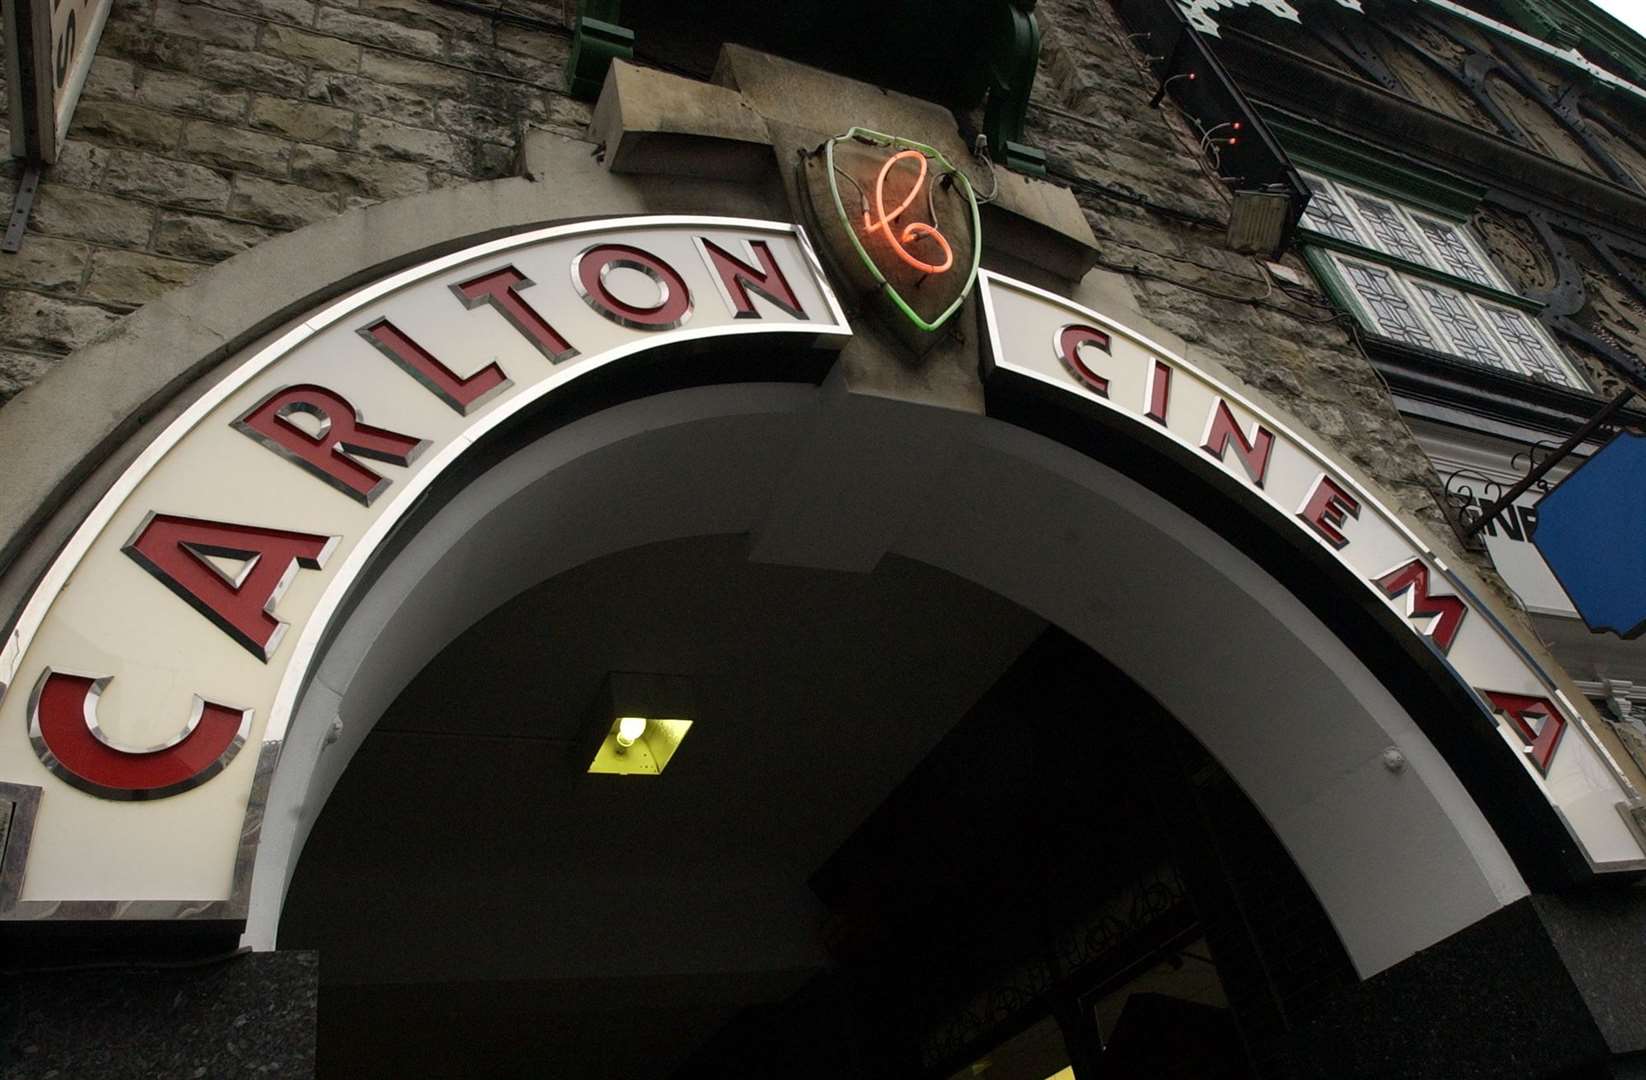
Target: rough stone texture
(251, 1016)
(1492, 1001)
(1601, 937)
(1091, 112)
(206, 127)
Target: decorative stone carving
(1593, 368)
(1611, 310)
(1517, 250)
(1538, 124)
(1623, 150)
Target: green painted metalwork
(1323, 150)
(1013, 57)
(1542, 21)
(1600, 34)
(1311, 240)
(949, 170)
(597, 40)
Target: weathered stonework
(206, 128)
(1091, 109)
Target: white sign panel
(1036, 335)
(1509, 541)
(150, 679)
(49, 49)
(1482, 478)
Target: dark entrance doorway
(916, 832)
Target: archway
(700, 413)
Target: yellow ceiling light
(629, 728)
(639, 723)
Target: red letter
(1221, 429)
(1414, 576)
(674, 300)
(340, 430)
(737, 279)
(1160, 391)
(63, 727)
(1069, 341)
(416, 361)
(500, 289)
(1325, 508)
(175, 550)
(1521, 711)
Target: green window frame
(1412, 274)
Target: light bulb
(630, 728)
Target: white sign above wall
(49, 49)
(146, 688)
(1509, 542)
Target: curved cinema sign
(1039, 338)
(149, 680)
(151, 676)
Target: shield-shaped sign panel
(910, 217)
(1591, 530)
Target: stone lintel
(653, 122)
(1040, 223)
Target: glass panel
(1325, 215)
(1469, 339)
(1454, 251)
(1393, 234)
(1390, 310)
(1528, 347)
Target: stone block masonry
(1090, 111)
(207, 127)
(210, 125)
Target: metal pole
(1542, 468)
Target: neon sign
(905, 244)
(882, 222)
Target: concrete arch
(65, 438)
(1399, 861)
(1421, 861)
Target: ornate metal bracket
(20, 208)
(597, 40)
(1013, 58)
(1467, 492)
(1540, 467)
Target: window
(1422, 280)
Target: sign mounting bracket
(21, 206)
(1541, 468)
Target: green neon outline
(866, 135)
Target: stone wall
(207, 127)
(1091, 112)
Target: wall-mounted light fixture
(638, 722)
(1258, 221)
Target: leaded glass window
(1325, 214)
(1444, 294)
(1390, 309)
(1454, 251)
(1527, 346)
(1392, 233)
(1462, 326)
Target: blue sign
(1591, 530)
